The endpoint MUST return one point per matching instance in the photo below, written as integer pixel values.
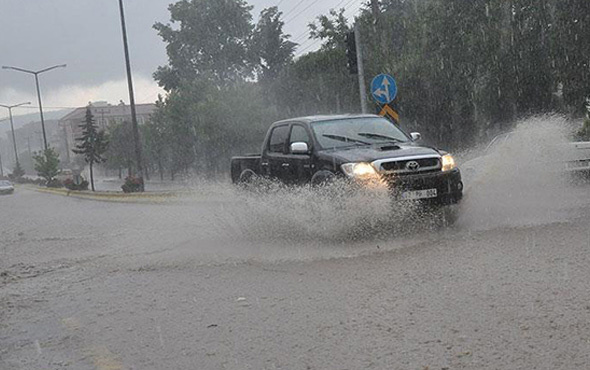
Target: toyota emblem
(412, 166)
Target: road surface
(217, 281)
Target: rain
(272, 184)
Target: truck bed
(246, 162)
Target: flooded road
(221, 278)
(196, 284)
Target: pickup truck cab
(362, 148)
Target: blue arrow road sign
(384, 89)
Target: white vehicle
(6, 187)
(528, 149)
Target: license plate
(577, 165)
(419, 194)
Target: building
(104, 115)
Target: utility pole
(36, 74)
(361, 68)
(1, 169)
(9, 107)
(138, 157)
(375, 9)
(381, 41)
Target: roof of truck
(318, 118)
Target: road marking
(105, 359)
(38, 347)
(72, 323)
(102, 357)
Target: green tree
(119, 154)
(271, 45)
(17, 172)
(157, 137)
(571, 51)
(207, 39)
(47, 166)
(93, 144)
(332, 28)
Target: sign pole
(361, 68)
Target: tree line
(465, 71)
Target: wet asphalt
(197, 284)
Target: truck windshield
(357, 131)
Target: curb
(117, 197)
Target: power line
(307, 32)
(301, 12)
(346, 10)
(355, 10)
(294, 8)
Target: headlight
(448, 162)
(359, 170)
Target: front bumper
(448, 185)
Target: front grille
(425, 164)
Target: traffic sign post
(387, 111)
(384, 91)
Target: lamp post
(1, 169)
(9, 107)
(36, 74)
(138, 158)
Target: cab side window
(299, 135)
(278, 139)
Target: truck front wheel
(323, 177)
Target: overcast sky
(86, 34)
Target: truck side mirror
(416, 136)
(299, 148)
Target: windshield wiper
(345, 139)
(379, 136)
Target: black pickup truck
(362, 148)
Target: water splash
(521, 180)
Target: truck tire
(247, 177)
(249, 180)
(323, 177)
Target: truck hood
(376, 152)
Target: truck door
(274, 157)
(298, 170)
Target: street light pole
(1, 169)
(9, 107)
(138, 156)
(36, 74)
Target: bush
(584, 133)
(132, 184)
(54, 183)
(70, 185)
